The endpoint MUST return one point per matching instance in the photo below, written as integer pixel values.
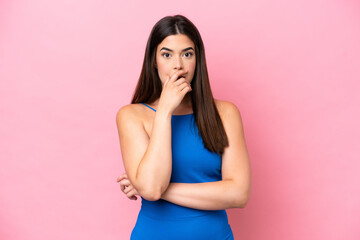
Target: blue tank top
(191, 163)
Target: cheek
(162, 66)
(163, 71)
(192, 66)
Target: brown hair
(149, 86)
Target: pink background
(66, 67)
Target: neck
(186, 102)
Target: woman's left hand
(127, 187)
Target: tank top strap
(148, 106)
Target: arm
(147, 162)
(234, 189)
(205, 196)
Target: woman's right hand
(174, 90)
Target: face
(174, 53)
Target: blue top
(191, 163)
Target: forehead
(176, 42)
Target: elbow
(152, 192)
(243, 204)
(148, 191)
(151, 195)
(156, 192)
(242, 201)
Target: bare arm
(233, 191)
(147, 162)
(205, 196)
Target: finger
(167, 79)
(133, 198)
(122, 187)
(124, 175)
(180, 81)
(185, 90)
(131, 193)
(124, 183)
(128, 189)
(185, 84)
(176, 75)
(132, 189)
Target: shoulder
(226, 108)
(130, 111)
(230, 116)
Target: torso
(147, 114)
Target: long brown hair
(149, 86)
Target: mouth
(182, 76)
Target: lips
(182, 76)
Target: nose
(178, 64)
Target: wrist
(163, 114)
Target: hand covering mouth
(181, 77)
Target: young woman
(184, 152)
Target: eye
(165, 55)
(189, 54)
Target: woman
(184, 152)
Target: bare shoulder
(132, 111)
(227, 109)
(230, 116)
(128, 118)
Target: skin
(175, 55)
(175, 64)
(233, 190)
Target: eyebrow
(168, 49)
